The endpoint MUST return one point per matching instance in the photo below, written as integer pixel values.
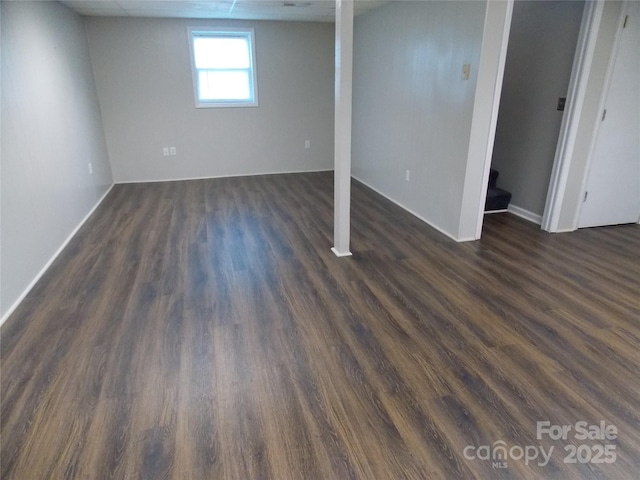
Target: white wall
(144, 82)
(51, 130)
(411, 109)
(540, 55)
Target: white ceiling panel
(292, 10)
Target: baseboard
(338, 254)
(185, 179)
(26, 291)
(525, 214)
(489, 212)
(414, 213)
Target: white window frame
(224, 32)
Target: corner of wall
(485, 115)
(57, 160)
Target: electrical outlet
(407, 175)
(165, 151)
(172, 151)
(307, 144)
(90, 169)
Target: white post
(342, 155)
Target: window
(223, 64)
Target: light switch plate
(466, 71)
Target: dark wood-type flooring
(204, 330)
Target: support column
(342, 153)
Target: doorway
(540, 57)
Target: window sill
(226, 105)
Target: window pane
(224, 85)
(221, 52)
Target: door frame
(583, 58)
(601, 105)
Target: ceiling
(291, 10)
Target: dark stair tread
(497, 199)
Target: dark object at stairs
(497, 199)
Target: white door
(612, 193)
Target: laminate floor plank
(204, 330)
